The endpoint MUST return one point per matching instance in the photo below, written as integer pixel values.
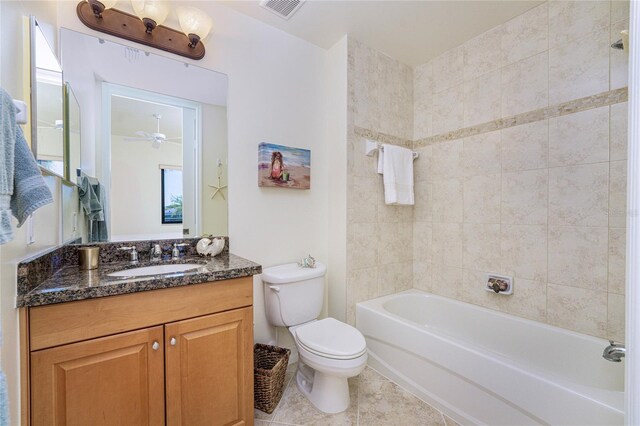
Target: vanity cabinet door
(209, 369)
(107, 381)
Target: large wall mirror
(47, 92)
(153, 139)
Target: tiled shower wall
(379, 237)
(544, 201)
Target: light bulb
(99, 6)
(108, 4)
(195, 23)
(152, 12)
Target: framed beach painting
(283, 166)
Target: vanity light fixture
(146, 28)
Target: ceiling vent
(283, 8)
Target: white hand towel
(397, 171)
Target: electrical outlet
(75, 221)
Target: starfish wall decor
(218, 188)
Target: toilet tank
(293, 295)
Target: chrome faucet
(156, 252)
(133, 253)
(614, 352)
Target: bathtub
(484, 367)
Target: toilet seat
(330, 338)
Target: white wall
(214, 147)
(336, 133)
(136, 189)
(72, 228)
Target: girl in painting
(277, 166)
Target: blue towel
(22, 187)
(93, 201)
(8, 128)
(30, 192)
(4, 402)
(5, 419)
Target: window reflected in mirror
(171, 182)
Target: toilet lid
(332, 338)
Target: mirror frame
(33, 86)
(70, 175)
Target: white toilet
(330, 351)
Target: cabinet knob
(155, 345)
(173, 341)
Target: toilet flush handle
(274, 288)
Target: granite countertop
(70, 283)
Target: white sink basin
(155, 270)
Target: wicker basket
(269, 370)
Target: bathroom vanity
(178, 351)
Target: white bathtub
(483, 367)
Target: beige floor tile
(375, 400)
(262, 416)
(296, 409)
(371, 375)
(385, 403)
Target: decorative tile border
(382, 137)
(571, 107)
(590, 102)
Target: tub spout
(614, 352)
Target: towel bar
(371, 147)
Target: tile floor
(375, 400)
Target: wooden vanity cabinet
(207, 359)
(115, 380)
(195, 367)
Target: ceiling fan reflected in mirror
(157, 138)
